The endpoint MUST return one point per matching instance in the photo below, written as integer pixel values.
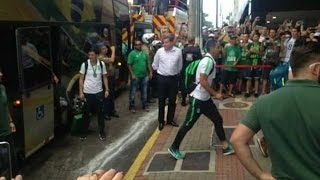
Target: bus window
(35, 56)
(121, 10)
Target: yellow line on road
(130, 175)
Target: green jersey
(244, 59)
(255, 58)
(232, 54)
(139, 61)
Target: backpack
(279, 76)
(190, 75)
(86, 67)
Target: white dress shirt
(168, 62)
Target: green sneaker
(176, 153)
(228, 150)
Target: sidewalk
(204, 159)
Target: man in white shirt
(93, 77)
(201, 103)
(168, 64)
(290, 43)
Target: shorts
(229, 77)
(253, 73)
(266, 72)
(242, 73)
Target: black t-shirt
(190, 54)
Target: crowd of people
(238, 60)
(251, 51)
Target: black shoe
(256, 95)
(246, 95)
(83, 137)
(174, 124)
(161, 125)
(107, 118)
(102, 136)
(115, 114)
(183, 103)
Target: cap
(211, 35)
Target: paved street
(204, 159)
(68, 157)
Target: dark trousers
(109, 107)
(197, 107)
(183, 88)
(167, 88)
(14, 160)
(94, 103)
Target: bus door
(35, 78)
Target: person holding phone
(7, 126)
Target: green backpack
(190, 75)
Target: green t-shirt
(4, 119)
(255, 59)
(289, 120)
(244, 59)
(139, 61)
(233, 54)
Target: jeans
(167, 88)
(142, 82)
(94, 103)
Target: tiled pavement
(204, 159)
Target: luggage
(78, 117)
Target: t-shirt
(289, 120)
(244, 59)
(27, 59)
(232, 54)
(93, 79)
(255, 59)
(290, 46)
(204, 67)
(4, 119)
(139, 61)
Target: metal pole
(217, 13)
(249, 11)
(200, 23)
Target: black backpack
(86, 68)
(190, 75)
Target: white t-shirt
(290, 45)
(93, 85)
(204, 67)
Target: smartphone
(5, 160)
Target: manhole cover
(196, 161)
(162, 162)
(235, 105)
